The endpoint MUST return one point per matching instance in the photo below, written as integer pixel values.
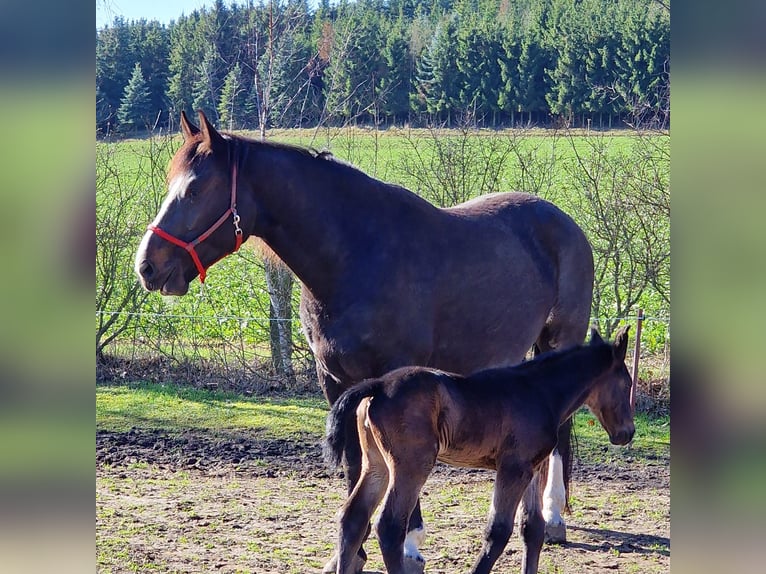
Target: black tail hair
(567, 449)
(341, 422)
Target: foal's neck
(576, 372)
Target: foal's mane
(546, 364)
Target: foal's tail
(341, 422)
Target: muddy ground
(233, 502)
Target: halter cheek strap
(190, 245)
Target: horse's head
(198, 221)
(610, 398)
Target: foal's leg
(352, 463)
(532, 526)
(510, 483)
(408, 474)
(355, 518)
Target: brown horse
(388, 280)
(502, 419)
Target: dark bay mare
(388, 280)
(504, 419)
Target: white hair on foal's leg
(554, 495)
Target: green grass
(171, 407)
(651, 441)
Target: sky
(162, 10)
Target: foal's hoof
(332, 565)
(556, 533)
(414, 565)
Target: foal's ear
(595, 337)
(621, 342)
(211, 138)
(188, 129)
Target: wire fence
(231, 352)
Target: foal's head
(609, 399)
(198, 221)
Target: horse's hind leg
(566, 325)
(532, 526)
(555, 498)
(556, 489)
(416, 534)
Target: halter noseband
(189, 247)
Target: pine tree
(396, 81)
(231, 107)
(135, 109)
(186, 53)
(205, 85)
(438, 78)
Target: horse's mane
(310, 152)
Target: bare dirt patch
(197, 502)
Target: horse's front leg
(510, 483)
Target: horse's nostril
(146, 270)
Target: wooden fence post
(636, 354)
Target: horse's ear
(210, 137)
(621, 342)
(188, 129)
(595, 337)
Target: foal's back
(468, 420)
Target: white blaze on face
(176, 190)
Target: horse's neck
(299, 215)
(577, 373)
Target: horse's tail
(566, 438)
(341, 422)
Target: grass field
(175, 408)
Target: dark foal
(503, 419)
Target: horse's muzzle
(623, 436)
(146, 271)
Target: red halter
(189, 247)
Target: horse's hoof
(414, 565)
(332, 565)
(556, 533)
